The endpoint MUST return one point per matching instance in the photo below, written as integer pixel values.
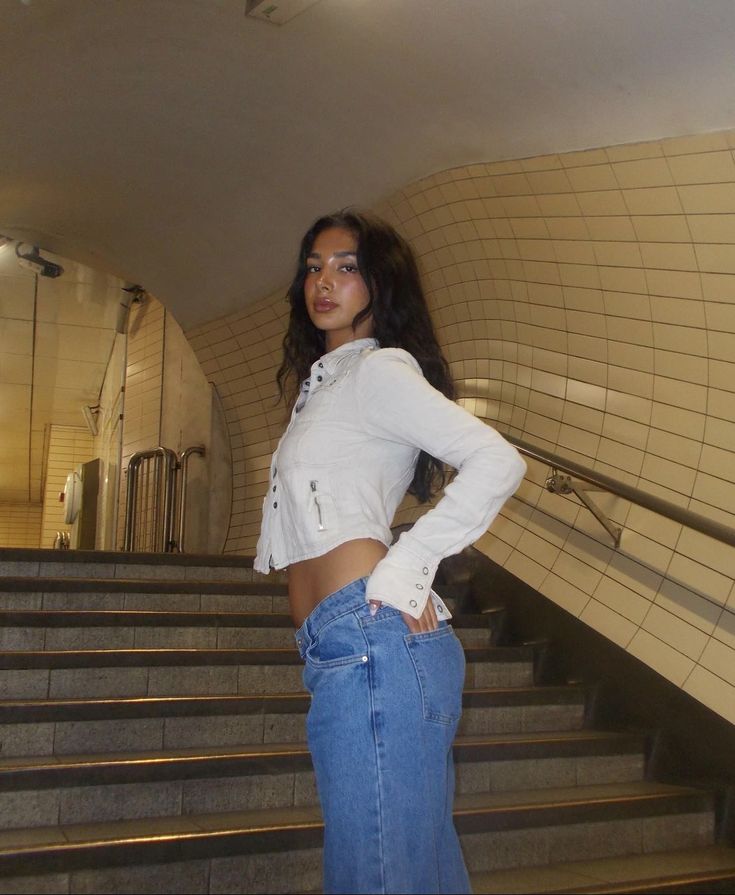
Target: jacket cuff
(402, 579)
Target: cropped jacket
(348, 455)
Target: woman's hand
(427, 621)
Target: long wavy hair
(400, 318)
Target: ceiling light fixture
(30, 258)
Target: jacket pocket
(321, 507)
(438, 659)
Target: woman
(374, 418)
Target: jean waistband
(346, 599)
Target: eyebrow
(336, 255)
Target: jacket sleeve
(396, 403)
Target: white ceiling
(185, 146)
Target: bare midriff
(311, 580)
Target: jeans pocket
(438, 659)
(341, 642)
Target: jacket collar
(332, 359)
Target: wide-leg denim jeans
(384, 712)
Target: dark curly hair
(400, 318)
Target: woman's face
(334, 289)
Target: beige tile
(675, 447)
(721, 404)
(713, 691)
(585, 276)
(603, 202)
(674, 631)
(591, 177)
(583, 157)
(704, 167)
(574, 251)
(620, 456)
(684, 339)
(657, 200)
(642, 173)
(662, 228)
(680, 311)
(668, 255)
(561, 205)
(696, 143)
(616, 596)
(541, 163)
(564, 593)
(627, 304)
(721, 345)
(716, 258)
(720, 316)
(628, 406)
(675, 419)
(549, 181)
(608, 622)
(623, 279)
(567, 228)
(613, 228)
(678, 284)
(681, 595)
(580, 299)
(625, 379)
(625, 431)
(721, 374)
(680, 394)
(626, 330)
(661, 657)
(714, 198)
(712, 227)
(627, 151)
(714, 491)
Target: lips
(324, 304)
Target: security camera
(29, 257)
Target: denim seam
(434, 717)
(373, 724)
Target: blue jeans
(384, 711)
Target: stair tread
(264, 820)
(80, 658)
(251, 750)
(602, 874)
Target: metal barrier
(156, 499)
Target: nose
(324, 283)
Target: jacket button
(320, 364)
(425, 570)
(318, 378)
(275, 504)
(413, 603)
(419, 587)
(440, 609)
(274, 487)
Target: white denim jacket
(348, 455)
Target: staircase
(152, 740)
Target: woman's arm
(398, 404)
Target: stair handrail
(169, 466)
(602, 482)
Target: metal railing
(565, 484)
(156, 499)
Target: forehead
(334, 240)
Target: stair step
(64, 726)
(683, 870)
(93, 788)
(601, 820)
(45, 629)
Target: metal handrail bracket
(601, 482)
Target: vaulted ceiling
(184, 146)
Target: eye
(350, 268)
(312, 268)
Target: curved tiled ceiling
(185, 146)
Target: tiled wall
(20, 524)
(586, 303)
(68, 446)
